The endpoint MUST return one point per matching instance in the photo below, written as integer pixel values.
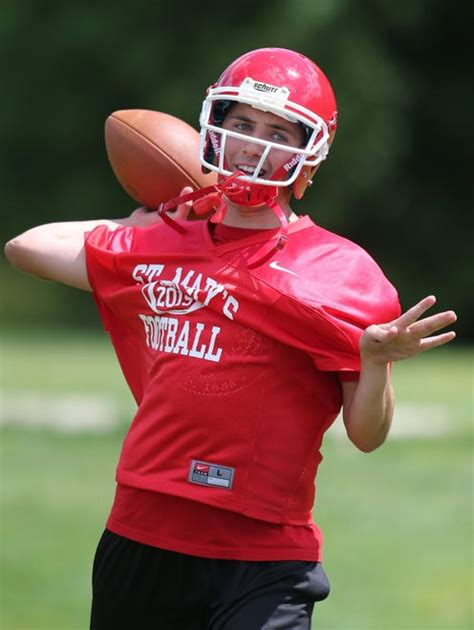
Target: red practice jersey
(235, 366)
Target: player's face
(244, 155)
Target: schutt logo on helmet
(264, 87)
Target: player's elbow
(49, 255)
(20, 256)
(367, 436)
(14, 252)
(368, 441)
(368, 446)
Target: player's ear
(305, 178)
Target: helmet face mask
(214, 136)
(285, 84)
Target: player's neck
(261, 217)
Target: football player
(241, 337)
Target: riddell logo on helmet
(293, 162)
(215, 141)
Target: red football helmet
(282, 82)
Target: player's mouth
(250, 170)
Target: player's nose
(253, 148)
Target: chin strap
(211, 198)
(205, 200)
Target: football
(153, 155)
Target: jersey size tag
(209, 474)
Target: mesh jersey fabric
(194, 528)
(233, 366)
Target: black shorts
(138, 587)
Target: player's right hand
(182, 211)
(143, 217)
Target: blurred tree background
(398, 180)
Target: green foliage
(397, 180)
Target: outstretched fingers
(437, 340)
(429, 325)
(415, 312)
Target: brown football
(153, 155)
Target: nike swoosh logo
(275, 265)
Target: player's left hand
(407, 335)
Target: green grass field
(397, 522)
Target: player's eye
(280, 138)
(242, 126)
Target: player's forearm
(369, 416)
(55, 251)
